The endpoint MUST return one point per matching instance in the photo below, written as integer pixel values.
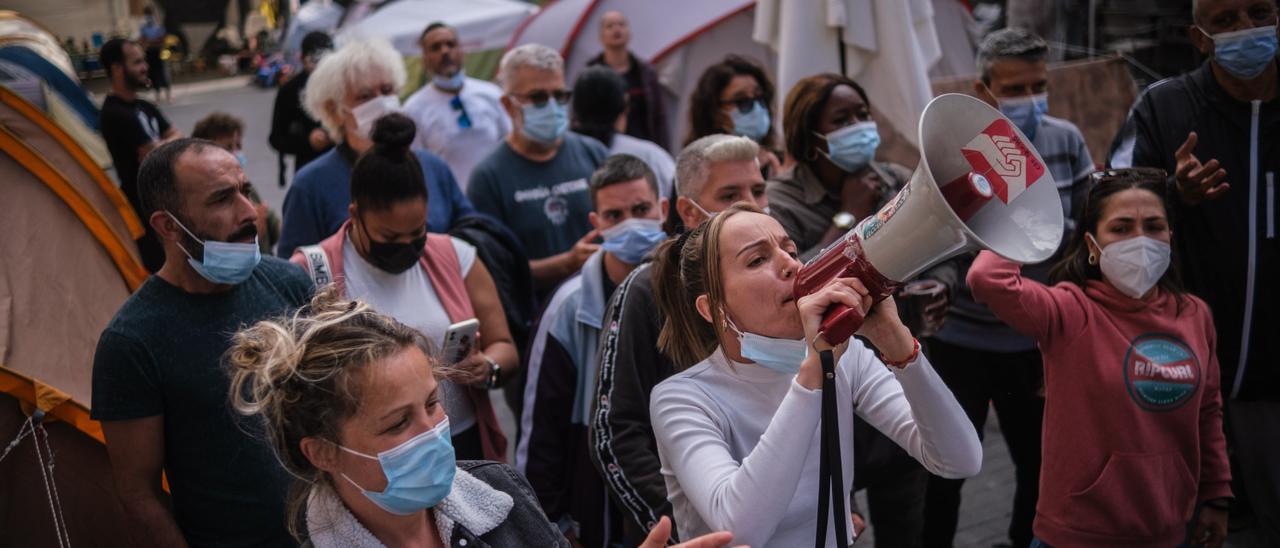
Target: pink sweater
(1133, 414)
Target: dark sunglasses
(464, 120)
(539, 98)
(744, 105)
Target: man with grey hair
(535, 181)
(712, 173)
(981, 359)
(1220, 123)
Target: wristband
(495, 373)
(899, 364)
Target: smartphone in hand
(459, 340)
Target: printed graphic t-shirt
(544, 203)
(127, 125)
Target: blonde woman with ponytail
(372, 471)
(737, 427)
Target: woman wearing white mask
(737, 428)
(349, 90)
(1133, 450)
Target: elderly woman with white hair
(350, 89)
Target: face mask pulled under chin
(369, 111)
(781, 355)
(225, 263)
(1134, 265)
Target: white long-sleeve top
(739, 443)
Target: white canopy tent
(888, 46)
(482, 24)
(680, 38)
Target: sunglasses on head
(744, 105)
(539, 98)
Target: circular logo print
(1160, 372)
(557, 209)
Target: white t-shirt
(659, 160)
(441, 132)
(739, 443)
(410, 298)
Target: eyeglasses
(744, 105)
(464, 121)
(539, 98)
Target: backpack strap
(317, 265)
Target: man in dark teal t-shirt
(159, 384)
(535, 181)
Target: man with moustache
(159, 386)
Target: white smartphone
(459, 340)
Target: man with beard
(132, 127)
(159, 387)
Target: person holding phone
(383, 255)
(738, 427)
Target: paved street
(987, 498)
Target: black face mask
(394, 257)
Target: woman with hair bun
(384, 255)
(372, 471)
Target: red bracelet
(899, 364)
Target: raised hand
(1197, 182)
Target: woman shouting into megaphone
(738, 427)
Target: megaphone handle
(840, 323)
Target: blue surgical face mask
(1245, 53)
(852, 147)
(545, 124)
(752, 124)
(1025, 112)
(632, 240)
(781, 355)
(224, 262)
(419, 472)
(450, 83)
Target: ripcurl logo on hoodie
(1160, 372)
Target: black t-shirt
(162, 355)
(127, 125)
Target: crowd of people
(285, 372)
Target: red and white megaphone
(995, 193)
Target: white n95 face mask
(1134, 265)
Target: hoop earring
(1093, 259)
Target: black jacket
(1227, 248)
(501, 253)
(291, 126)
(621, 439)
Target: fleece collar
(471, 504)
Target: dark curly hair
(704, 104)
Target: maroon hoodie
(1133, 414)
